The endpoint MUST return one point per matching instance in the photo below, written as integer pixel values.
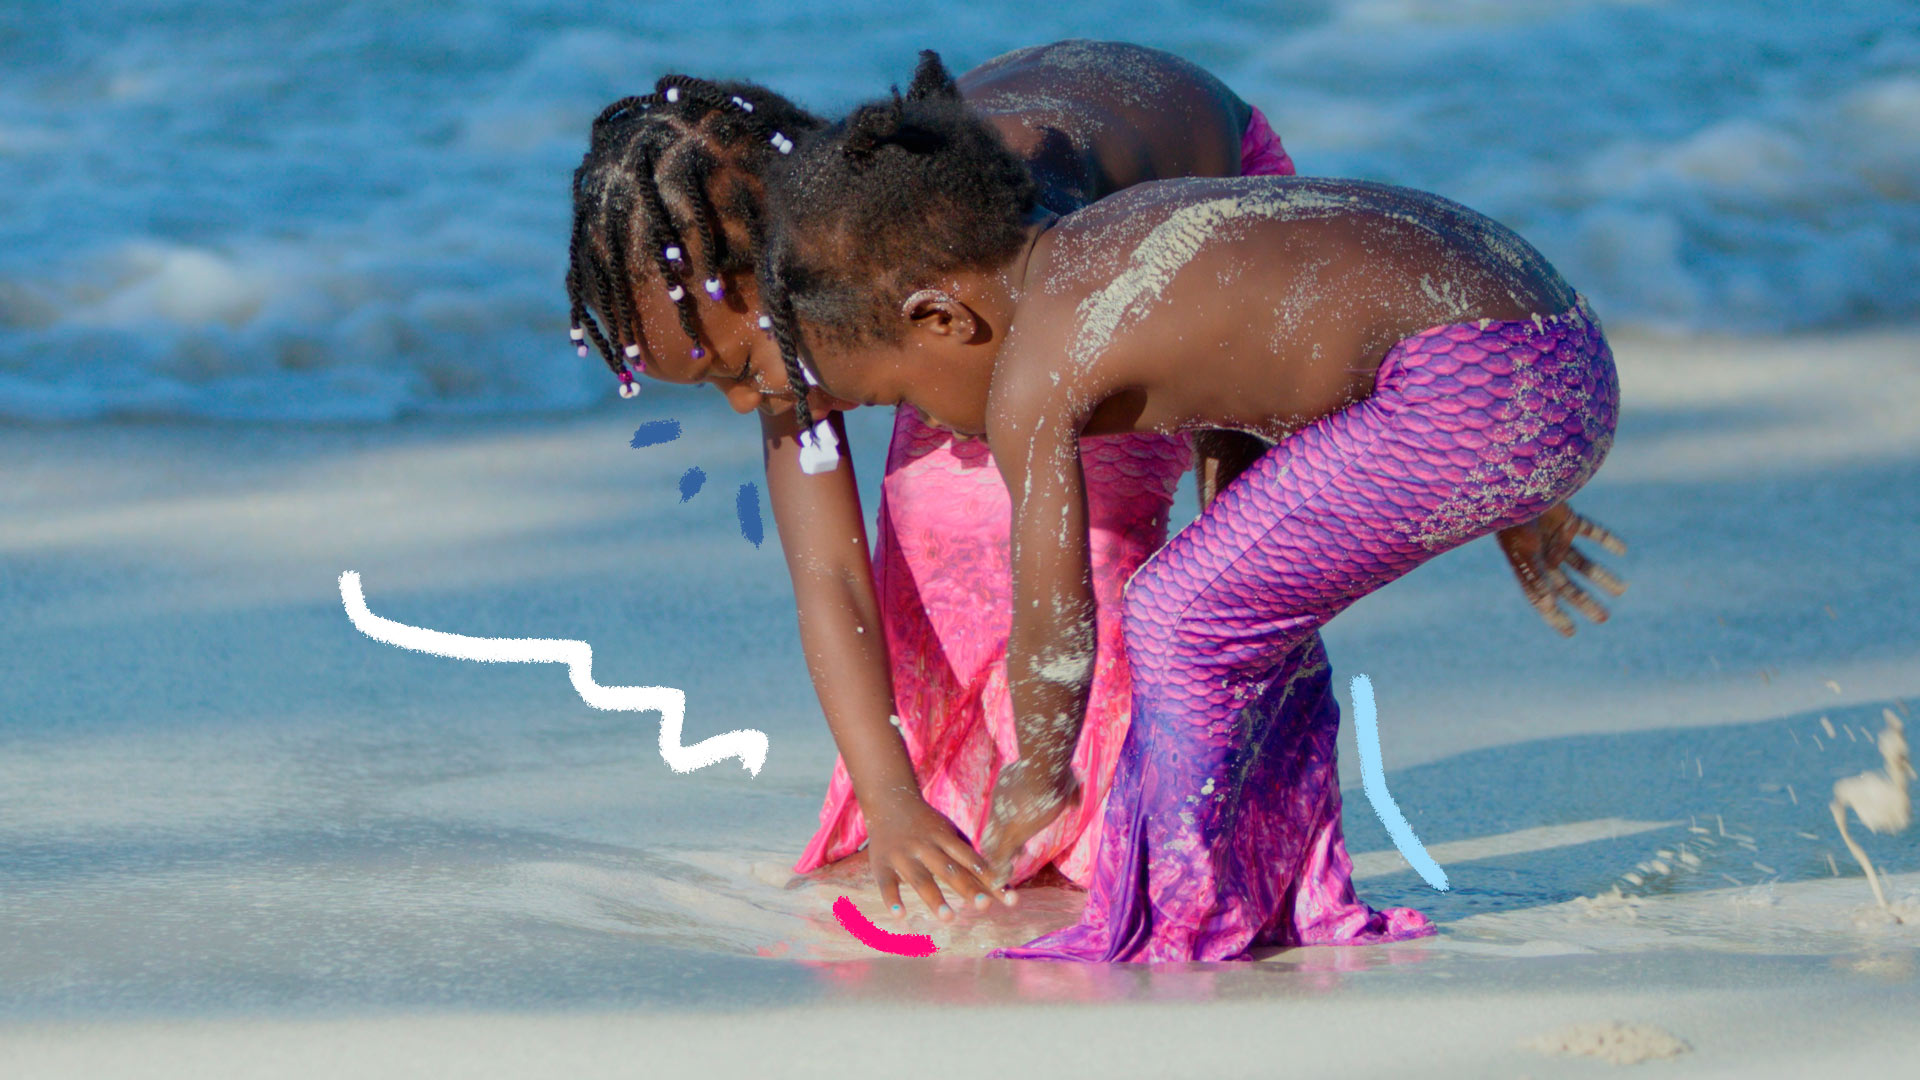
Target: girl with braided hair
(918, 634)
(1425, 376)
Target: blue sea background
(325, 211)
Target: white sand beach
(238, 838)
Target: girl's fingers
(928, 890)
(1592, 531)
(1003, 848)
(968, 875)
(1540, 594)
(1556, 618)
(1579, 598)
(889, 891)
(990, 847)
(967, 887)
(1596, 573)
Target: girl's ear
(936, 312)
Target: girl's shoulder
(1281, 198)
(1165, 222)
(1163, 218)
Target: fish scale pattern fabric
(1222, 827)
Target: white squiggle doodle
(748, 745)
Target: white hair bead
(745, 105)
(629, 390)
(675, 292)
(819, 449)
(766, 323)
(673, 93)
(577, 334)
(673, 253)
(633, 351)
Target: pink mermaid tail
(1260, 151)
(945, 598)
(941, 567)
(1222, 828)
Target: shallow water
(213, 209)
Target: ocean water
(315, 211)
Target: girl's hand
(917, 845)
(1542, 551)
(1026, 799)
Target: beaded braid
(631, 140)
(663, 247)
(626, 322)
(584, 325)
(706, 223)
(819, 446)
(777, 296)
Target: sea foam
(222, 211)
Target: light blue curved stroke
(1373, 780)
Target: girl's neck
(995, 296)
(1039, 221)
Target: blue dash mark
(747, 505)
(690, 482)
(655, 432)
(1373, 779)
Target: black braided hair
(691, 155)
(904, 190)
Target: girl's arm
(1219, 456)
(1051, 649)
(823, 534)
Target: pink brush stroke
(877, 939)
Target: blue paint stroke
(1373, 779)
(690, 482)
(747, 505)
(655, 432)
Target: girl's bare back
(1259, 304)
(1093, 117)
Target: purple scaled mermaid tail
(1222, 826)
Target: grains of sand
(1615, 1042)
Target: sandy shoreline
(1739, 1016)
(308, 853)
